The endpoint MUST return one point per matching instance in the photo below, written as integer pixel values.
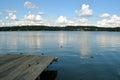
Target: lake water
(81, 55)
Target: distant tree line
(53, 28)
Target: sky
(101, 13)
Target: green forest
(53, 28)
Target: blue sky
(60, 12)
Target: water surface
(82, 55)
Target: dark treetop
(53, 28)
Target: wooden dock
(23, 67)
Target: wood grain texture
(23, 67)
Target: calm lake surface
(81, 55)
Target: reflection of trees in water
(48, 75)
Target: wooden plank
(25, 67)
(19, 69)
(35, 71)
(12, 65)
(7, 57)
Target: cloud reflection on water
(84, 44)
(62, 40)
(15, 41)
(108, 42)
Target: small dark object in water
(61, 46)
(29, 65)
(91, 57)
(37, 62)
(21, 53)
(8, 54)
(42, 53)
(56, 59)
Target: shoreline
(51, 28)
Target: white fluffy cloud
(40, 13)
(105, 15)
(112, 21)
(11, 15)
(70, 22)
(81, 21)
(38, 18)
(62, 20)
(1, 23)
(49, 21)
(85, 11)
(33, 19)
(30, 17)
(29, 5)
